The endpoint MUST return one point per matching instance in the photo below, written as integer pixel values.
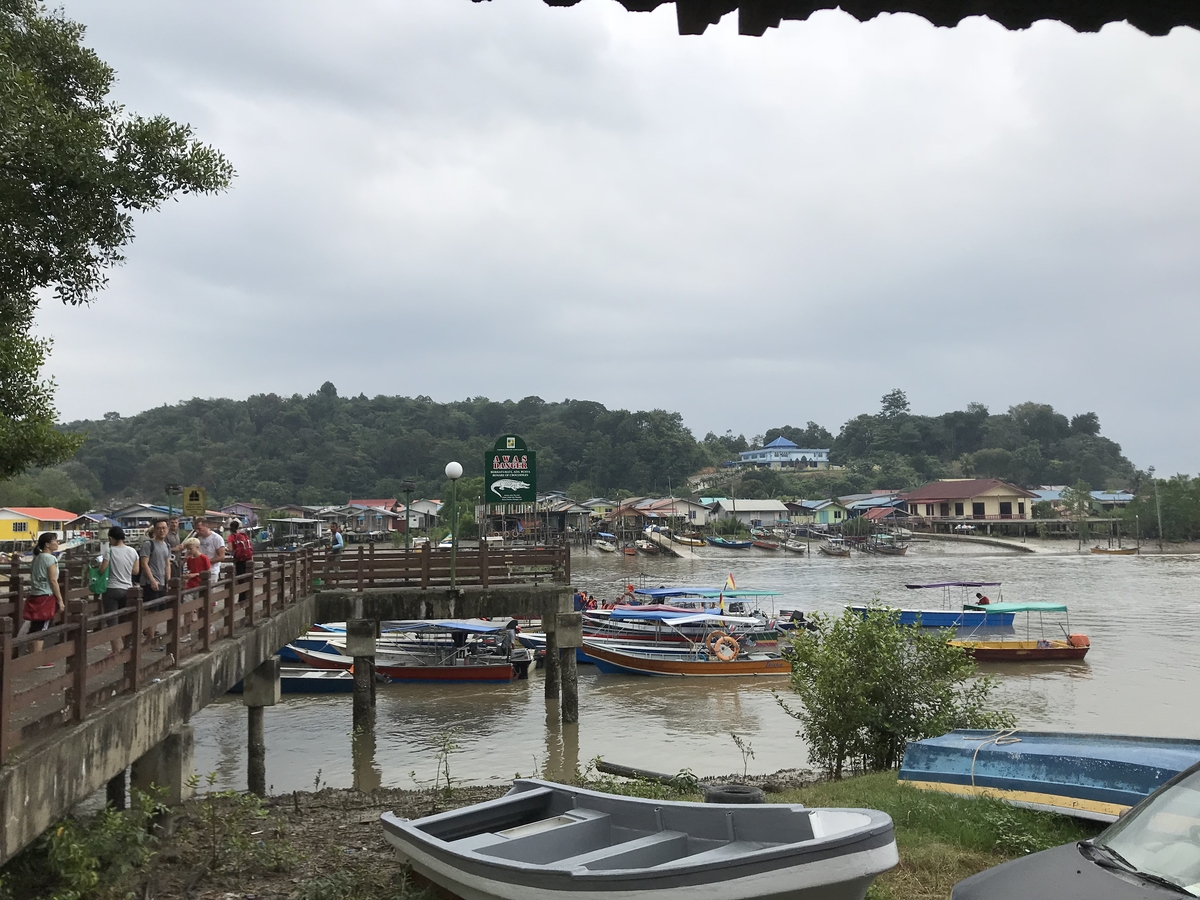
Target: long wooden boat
(553, 841)
(795, 546)
(647, 547)
(611, 661)
(467, 669)
(1115, 551)
(1075, 646)
(717, 541)
(835, 547)
(1091, 776)
(629, 551)
(765, 545)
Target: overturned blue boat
(550, 840)
(1089, 776)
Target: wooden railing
(74, 669)
(368, 567)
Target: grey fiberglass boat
(549, 840)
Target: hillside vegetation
(325, 448)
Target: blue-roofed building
(782, 453)
(1101, 500)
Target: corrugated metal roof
(43, 513)
(962, 490)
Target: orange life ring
(711, 641)
(726, 649)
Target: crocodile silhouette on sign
(508, 484)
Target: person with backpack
(119, 565)
(241, 549)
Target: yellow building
(973, 498)
(22, 524)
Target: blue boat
(729, 544)
(310, 681)
(951, 615)
(1089, 776)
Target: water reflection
(367, 774)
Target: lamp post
(453, 472)
(1158, 508)
(407, 487)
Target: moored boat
(717, 541)
(951, 615)
(493, 670)
(313, 681)
(1092, 776)
(1115, 551)
(795, 546)
(885, 545)
(765, 545)
(835, 547)
(605, 543)
(1029, 649)
(647, 547)
(629, 550)
(549, 840)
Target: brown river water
(1141, 676)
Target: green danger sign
(510, 472)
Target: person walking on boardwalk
(122, 564)
(212, 545)
(45, 599)
(155, 562)
(173, 532)
(337, 544)
(242, 551)
(195, 562)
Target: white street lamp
(453, 472)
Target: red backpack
(243, 550)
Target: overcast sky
(456, 199)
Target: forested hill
(325, 448)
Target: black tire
(733, 793)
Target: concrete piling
(168, 766)
(115, 791)
(260, 688)
(552, 665)
(360, 644)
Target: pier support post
(114, 791)
(570, 636)
(168, 765)
(260, 688)
(552, 664)
(360, 643)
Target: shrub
(868, 685)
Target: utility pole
(407, 488)
(1158, 508)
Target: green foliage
(1077, 500)
(233, 831)
(868, 685)
(684, 786)
(82, 858)
(1180, 500)
(445, 745)
(746, 749)
(76, 168)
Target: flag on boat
(730, 584)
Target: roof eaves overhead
(1155, 17)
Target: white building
(752, 512)
(782, 452)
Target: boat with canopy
(1070, 646)
(713, 647)
(953, 614)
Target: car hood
(1062, 873)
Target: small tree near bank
(868, 685)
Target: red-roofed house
(24, 523)
(970, 498)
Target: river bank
(328, 844)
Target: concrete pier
(260, 689)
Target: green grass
(942, 838)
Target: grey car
(1150, 853)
